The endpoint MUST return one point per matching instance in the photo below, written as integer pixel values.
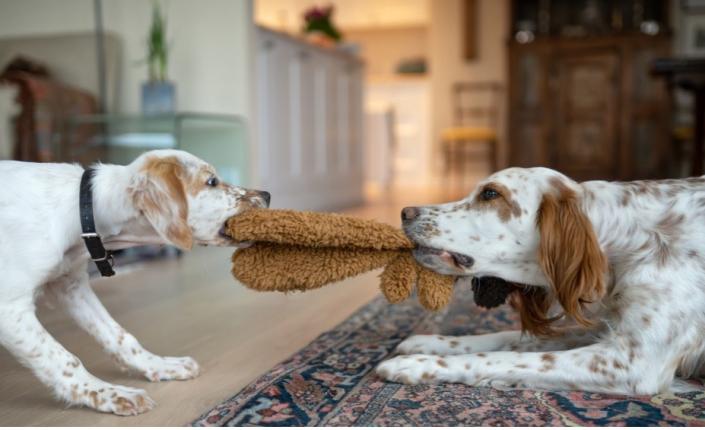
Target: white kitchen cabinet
(409, 100)
(309, 123)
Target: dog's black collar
(102, 258)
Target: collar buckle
(102, 258)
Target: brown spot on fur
(505, 205)
(521, 366)
(94, 398)
(68, 374)
(163, 199)
(548, 358)
(454, 343)
(196, 182)
(594, 366)
(442, 363)
(626, 196)
(482, 354)
(123, 405)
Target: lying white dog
(163, 197)
(623, 260)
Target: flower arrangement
(318, 22)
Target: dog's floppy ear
(161, 197)
(569, 253)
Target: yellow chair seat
(468, 133)
(683, 132)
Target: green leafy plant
(157, 47)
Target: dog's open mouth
(428, 256)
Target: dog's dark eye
(212, 181)
(489, 194)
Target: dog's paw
(128, 401)
(171, 368)
(412, 369)
(114, 399)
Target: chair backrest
(476, 103)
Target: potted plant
(158, 94)
(319, 28)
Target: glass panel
(220, 141)
(217, 139)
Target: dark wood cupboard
(587, 105)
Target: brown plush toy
(306, 250)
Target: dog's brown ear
(161, 197)
(569, 253)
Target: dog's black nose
(266, 196)
(410, 213)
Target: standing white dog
(163, 197)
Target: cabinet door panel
(585, 143)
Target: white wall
(35, 17)
(211, 51)
(287, 15)
(446, 62)
(212, 45)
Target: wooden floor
(192, 306)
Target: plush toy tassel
(398, 279)
(435, 290)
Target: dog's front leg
(512, 340)
(85, 308)
(24, 336)
(599, 368)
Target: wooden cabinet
(588, 107)
(587, 101)
(309, 124)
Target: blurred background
(331, 104)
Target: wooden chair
(476, 116)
